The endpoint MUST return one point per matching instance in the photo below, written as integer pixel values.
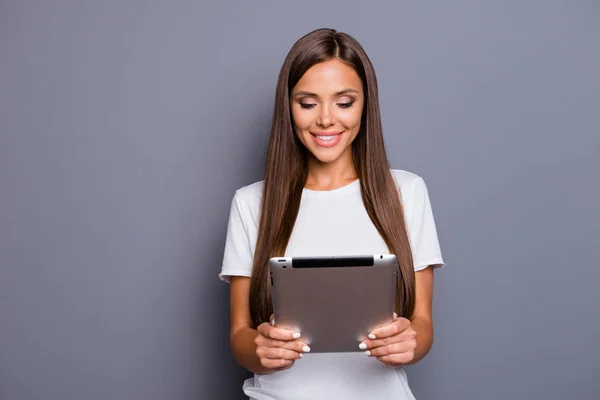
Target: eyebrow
(340, 93)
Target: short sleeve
(421, 227)
(238, 257)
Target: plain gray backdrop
(126, 126)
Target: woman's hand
(393, 344)
(278, 348)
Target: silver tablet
(333, 301)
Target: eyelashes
(341, 105)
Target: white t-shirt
(329, 223)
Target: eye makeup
(345, 104)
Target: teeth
(326, 138)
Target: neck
(331, 175)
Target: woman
(328, 190)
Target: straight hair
(286, 172)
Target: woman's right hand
(278, 348)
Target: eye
(346, 105)
(307, 105)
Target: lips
(326, 139)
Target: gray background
(127, 126)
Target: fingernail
(371, 336)
(306, 349)
(301, 355)
(296, 335)
(368, 352)
(362, 346)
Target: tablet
(333, 301)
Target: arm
(422, 321)
(241, 333)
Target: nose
(325, 118)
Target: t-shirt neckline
(351, 187)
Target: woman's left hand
(393, 344)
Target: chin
(325, 156)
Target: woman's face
(327, 104)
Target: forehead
(329, 77)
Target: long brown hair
(286, 171)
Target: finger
(294, 345)
(277, 353)
(395, 348)
(277, 365)
(393, 328)
(408, 334)
(272, 332)
(397, 359)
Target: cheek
(301, 119)
(351, 119)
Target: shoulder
(248, 198)
(250, 193)
(407, 181)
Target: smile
(325, 139)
